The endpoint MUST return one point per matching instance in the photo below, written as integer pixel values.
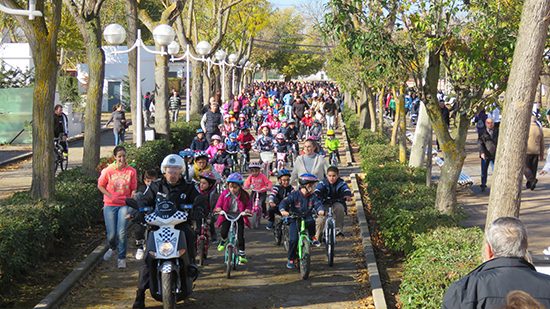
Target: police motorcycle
(171, 274)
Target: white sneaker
(121, 263)
(139, 254)
(107, 256)
(546, 251)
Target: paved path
(535, 205)
(263, 283)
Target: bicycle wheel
(200, 252)
(278, 232)
(305, 260)
(228, 261)
(285, 237)
(333, 159)
(330, 244)
(64, 163)
(258, 217)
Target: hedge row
(31, 230)
(437, 252)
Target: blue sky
(288, 3)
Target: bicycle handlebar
(242, 214)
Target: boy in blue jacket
(333, 191)
(199, 143)
(303, 201)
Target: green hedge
(182, 134)
(30, 230)
(148, 156)
(442, 256)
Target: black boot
(139, 302)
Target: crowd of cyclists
(217, 172)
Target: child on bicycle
(278, 193)
(265, 141)
(258, 182)
(222, 158)
(188, 156)
(199, 142)
(201, 165)
(205, 203)
(333, 191)
(137, 217)
(233, 201)
(213, 149)
(306, 123)
(305, 202)
(246, 140)
(332, 143)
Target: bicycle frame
(330, 221)
(232, 241)
(303, 235)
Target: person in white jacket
(310, 162)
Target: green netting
(15, 115)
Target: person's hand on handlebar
(321, 212)
(285, 213)
(217, 210)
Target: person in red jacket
(305, 123)
(246, 140)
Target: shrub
(75, 175)
(352, 124)
(148, 156)
(182, 133)
(440, 258)
(368, 138)
(376, 154)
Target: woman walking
(117, 182)
(119, 123)
(309, 163)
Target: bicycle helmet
(220, 146)
(209, 176)
(242, 116)
(292, 121)
(330, 132)
(226, 116)
(307, 178)
(172, 160)
(264, 125)
(216, 137)
(199, 131)
(317, 121)
(306, 113)
(313, 138)
(255, 164)
(201, 154)
(233, 135)
(235, 178)
(231, 113)
(283, 172)
(186, 153)
(280, 136)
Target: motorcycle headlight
(166, 248)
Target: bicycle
(203, 239)
(266, 157)
(292, 153)
(333, 159)
(329, 236)
(234, 157)
(231, 254)
(281, 160)
(60, 159)
(278, 231)
(256, 209)
(304, 255)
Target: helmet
(313, 138)
(220, 146)
(199, 131)
(235, 178)
(283, 172)
(280, 136)
(201, 154)
(233, 135)
(216, 137)
(186, 153)
(306, 178)
(172, 160)
(226, 116)
(245, 127)
(317, 121)
(306, 113)
(209, 176)
(254, 164)
(291, 121)
(242, 115)
(264, 125)
(330, 132)
(231, 113)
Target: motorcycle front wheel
(168, 295)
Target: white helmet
(172, 160)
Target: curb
(55, 298)
(349, 158)
(29, 154)
(370, 258)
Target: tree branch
(230, 5)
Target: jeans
(484, 168)
(115, 224)
(293, 230)
(175, 114)
(288, 111)
(119, 137)
(330, 121)
(338, 213)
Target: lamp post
(31, 12)
(220, 56)
(115, 34)
(232, 59)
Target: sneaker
(315, 242)
(534, 184)
(221, 245)
(139, 254)
(546, 251)
(269, 226)
(242, 257)
(65, 155)
(107, 256)
(290, 264)
(121, 263)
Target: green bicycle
(304, 255)
(231, 256)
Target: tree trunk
(348, 101)
(162, 116)
(131, 35)
(96, 65)
(45, 61)
(227, 82)
(422, 136)
(372, 110)
(402, 126)
(196, 91)
(505, 199)
(381, 110)
(264, 74)
(364, 117)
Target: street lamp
(115, 34)
(31, 12)
(220, 56)
(232, 59)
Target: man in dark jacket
(334, 192)
(211, 120)
(505, 270)
(487, 142)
